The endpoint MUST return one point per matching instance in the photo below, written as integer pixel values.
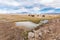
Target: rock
(48, 32)
(40, 34)
(30, 35)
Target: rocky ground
(49, 31)
(8, 31)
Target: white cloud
(50, 11)
(36, 8)
(52, 3)
(9, 2)
(1, 11)
(46, 1)
(23, 3)
(7, 11)
(13, 11)
(22, 10)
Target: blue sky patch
(29, 6)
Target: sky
(29, 6)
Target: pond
(30, 24)
(27, 24)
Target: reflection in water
(30, 24)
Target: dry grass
(18, 18)
(8, 31)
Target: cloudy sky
(29, 6)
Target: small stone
(40, 34)
(30, 35)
